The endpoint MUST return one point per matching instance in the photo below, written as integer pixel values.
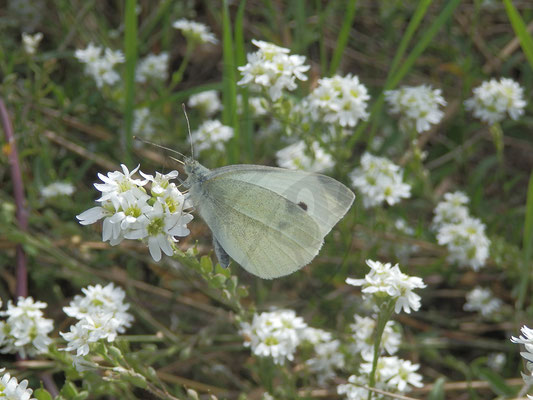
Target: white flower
(392, 375)
(88, 55)
(363, 334)
(160, 228)
(271, 68)
(143, 123)
(315, 336)
(379, 180)
(196, 32)
(258, 106)
(496, 361)
(102, 314)
(327, 359)
(482, 300)
(152, 67)
(57, 189)
(31, 42)
(100, 66)
(274, 334)
(298, 156)
(418, 106)
(526, 338)
(25, 330)
(467, 243)
(452, 210)
(388, 280)
(493, 99)
(339, 100)
(11, 389)
(206, 102)
(130, 213)
(211, 134)
(120, 183)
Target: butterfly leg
(223, 257)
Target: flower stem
(383, 317)
(20, 201)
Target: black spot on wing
(302, 205)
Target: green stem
(383, 317)
(178, 75)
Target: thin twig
(20, 201)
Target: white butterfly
(272, 221)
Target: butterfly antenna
(158, 145)
(188, 129)
(175, 159)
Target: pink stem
(20, 201)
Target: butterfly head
(196, 172)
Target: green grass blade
(415, 21)
(229, 93)
(246, 128)
(130, 50)
(344, 33)
(527, 246)
(526, 41)
(425, 39)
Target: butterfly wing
(271, 221)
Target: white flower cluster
(99, 63)
(130, 213)
(340, 100)
(462, 234)
(143, 123)
(392, 375)
(277, 334)
(211, 134)
(418, 106)
(25, 330)
(101, 314)
(11, 389)
(388, 280)
(526, 338)
(208, 102)
(195, 32)
(379, 180)
(31, 42)
(364, 335)
(274, 334)
(57, 189)
(483, 301)
(152, 67)
(327, 355)
(299, 156)
(493, 99)
(271, 68)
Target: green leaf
(437, 393)
(69, 390)
(206, 264)
(497, 383)
(526, 41)
(42, 394)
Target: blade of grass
(527, 246)
(343, 36)
(229, 94)
(425, 39)
(526, 41)
(130, 49)
(240, 59)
